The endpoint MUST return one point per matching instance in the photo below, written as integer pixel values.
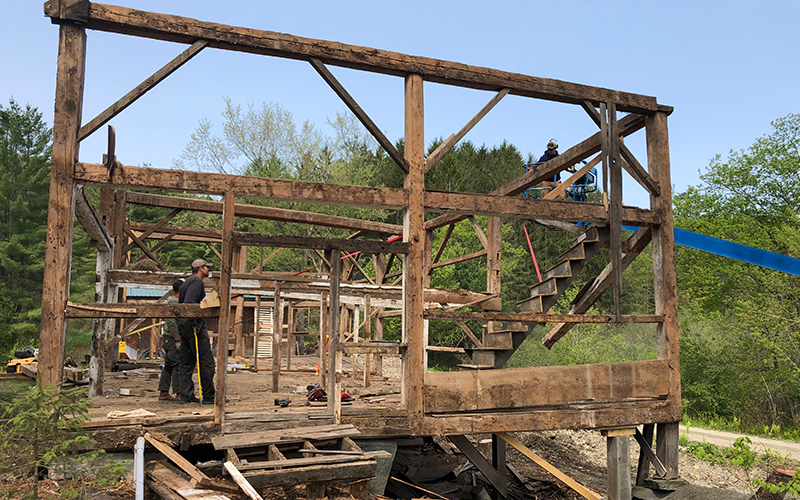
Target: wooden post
(100, 327)
(323, 336)
(224, 309)
(619, 467)
(277, 336)
(257, 330)
(414, 234)
(354, 356)
(665, 287)
(643, 468)
(494, 230)
(367, 338)
(334, 398)
(499, 459)
(289, 334)
(238, 327)
(615, 208)
(61, 209)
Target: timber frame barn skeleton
(465, 402)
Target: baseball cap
(198, 263)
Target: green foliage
(739, 454)
(792, 486)
(41, 429)
(740, 324)
(24, 186)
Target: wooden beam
(451, 141)
(627, 125)
(572, 178)
(665, 286)
(542, 318)
(359, 112)
(334, 399)
(460, 204)
(141, 89)
(633, 167)
(456, 260)
(268, 213)
(60, 215)
(185, 30)
(91, 221)
(579, 488)
(647, 455)
(468, 333)
(277, 337)
(143, 247)
(125, 176)
(615, 207)
(540, 386)
(479, 231)
(499, 482)
(224, 328)
(103, 310)
(365, 246)
(153, 228)
(414, 234)
(442, 244)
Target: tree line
(739, 324)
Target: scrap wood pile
(436, 469)
(255, 461)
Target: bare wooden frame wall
(643, 392)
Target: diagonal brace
(141, 89)
(362, 116)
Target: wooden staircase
(500, 345)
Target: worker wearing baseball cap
(195, 344)
(550, 184)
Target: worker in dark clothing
(171, 342)
(549, 154)
(195, 344)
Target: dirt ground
(247, 391)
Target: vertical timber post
(223, 329)
(414, 234)
(61, 210)
(493, 278)
(666, 300)
(618, 450)
(334, 376)
(498, 453)
(277, 337)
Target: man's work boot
(165, 396)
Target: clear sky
(728, 68)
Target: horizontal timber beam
(365, 246)
(125, 176)
(104, 310)
(542, 317)
(475, 390)
(259, 212)
(128, 21)
(528, 208)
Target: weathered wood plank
(544, 386)
(295, 435)
(141, 89)
(361, 469)
(125, 176)
(241, 481)
(456, 260)
(185, 30)
(91, 221)
(153, 228)
(60, 216)
(269, 213)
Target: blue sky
(728, 68)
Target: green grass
(10, 388)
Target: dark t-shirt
(192, 291)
